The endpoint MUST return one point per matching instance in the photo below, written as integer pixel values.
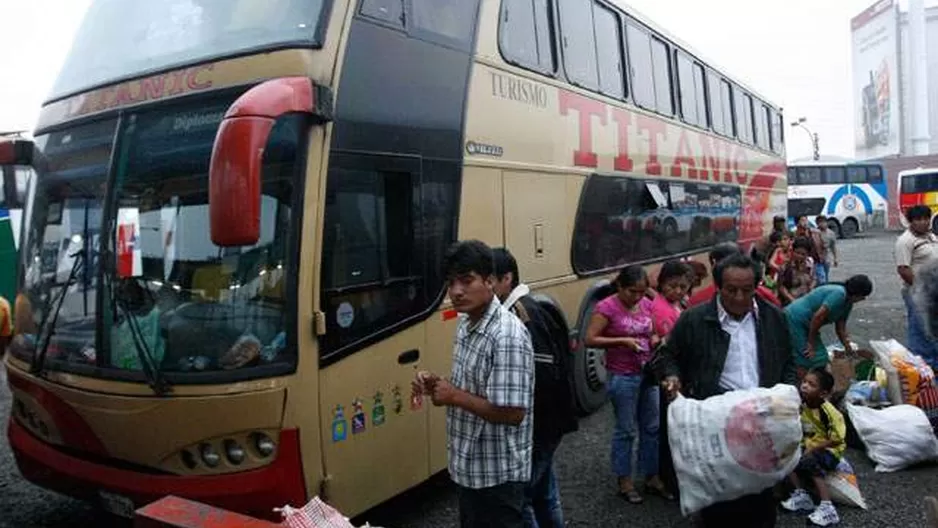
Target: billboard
(876, 81)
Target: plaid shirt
(493, 359)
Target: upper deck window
(449, 19)
(526, 35)
(640, 68)
(121, 38)
(579, 42)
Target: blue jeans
(542, 496)
(636, 411)
(823, 272)
(918, 341)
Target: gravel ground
(587, 487)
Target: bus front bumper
(256, 492)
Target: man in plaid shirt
(489, 397)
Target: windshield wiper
(151, 370)
(40, 358)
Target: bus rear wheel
(849, 229)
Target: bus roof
(916, 172)
(639, 16)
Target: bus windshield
(119, 268)
(122, 38)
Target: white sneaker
(799, 501)
(824, 515)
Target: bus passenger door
(375, 292)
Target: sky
(795, 53)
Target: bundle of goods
(315, 514)
(896, 437)
(915, 380)
(734, 444)
(844, 487)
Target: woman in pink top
(622, 324)
(672, 288)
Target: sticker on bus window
(358, 418)
(345, 315)
(129, 257)
(377, 412)
(398, 400)
(339, 425)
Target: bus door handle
(408, 357)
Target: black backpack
(554, 409)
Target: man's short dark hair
(739, 261)
(802, 243)
(505, 263)
(917, 212)
(825, 379)
(468, 256)
(778, 219)
(723, 250)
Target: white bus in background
(853, 195)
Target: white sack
(895, 437)
(735, 444)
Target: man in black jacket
(736, 341)
(554, 413)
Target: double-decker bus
(853, 196)
(251, 201)
(918, 187)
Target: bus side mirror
(234, 179)
(13, 152)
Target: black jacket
(697, 348)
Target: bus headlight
(265, 446)
(209, 455)
(234, 452)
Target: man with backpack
(554, 413)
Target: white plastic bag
(896, 437)
(843, 486)
(884, 351)
(735, 444)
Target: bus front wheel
(849, 229)
(589, 371)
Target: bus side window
(579, 43)
(856, 175)
(609, 45)
(875, 174)
(638, 44)
(387, 222)
(390, 11)
(526, 36)
(716, 105)
(792, 176)
(835, 175)
(809, 175)
(661, 63)
(450, 19)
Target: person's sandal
(659, 491)
(632, 496)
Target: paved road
(583, 468)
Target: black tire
(850, 228)
(589, 364)
(834, 225)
